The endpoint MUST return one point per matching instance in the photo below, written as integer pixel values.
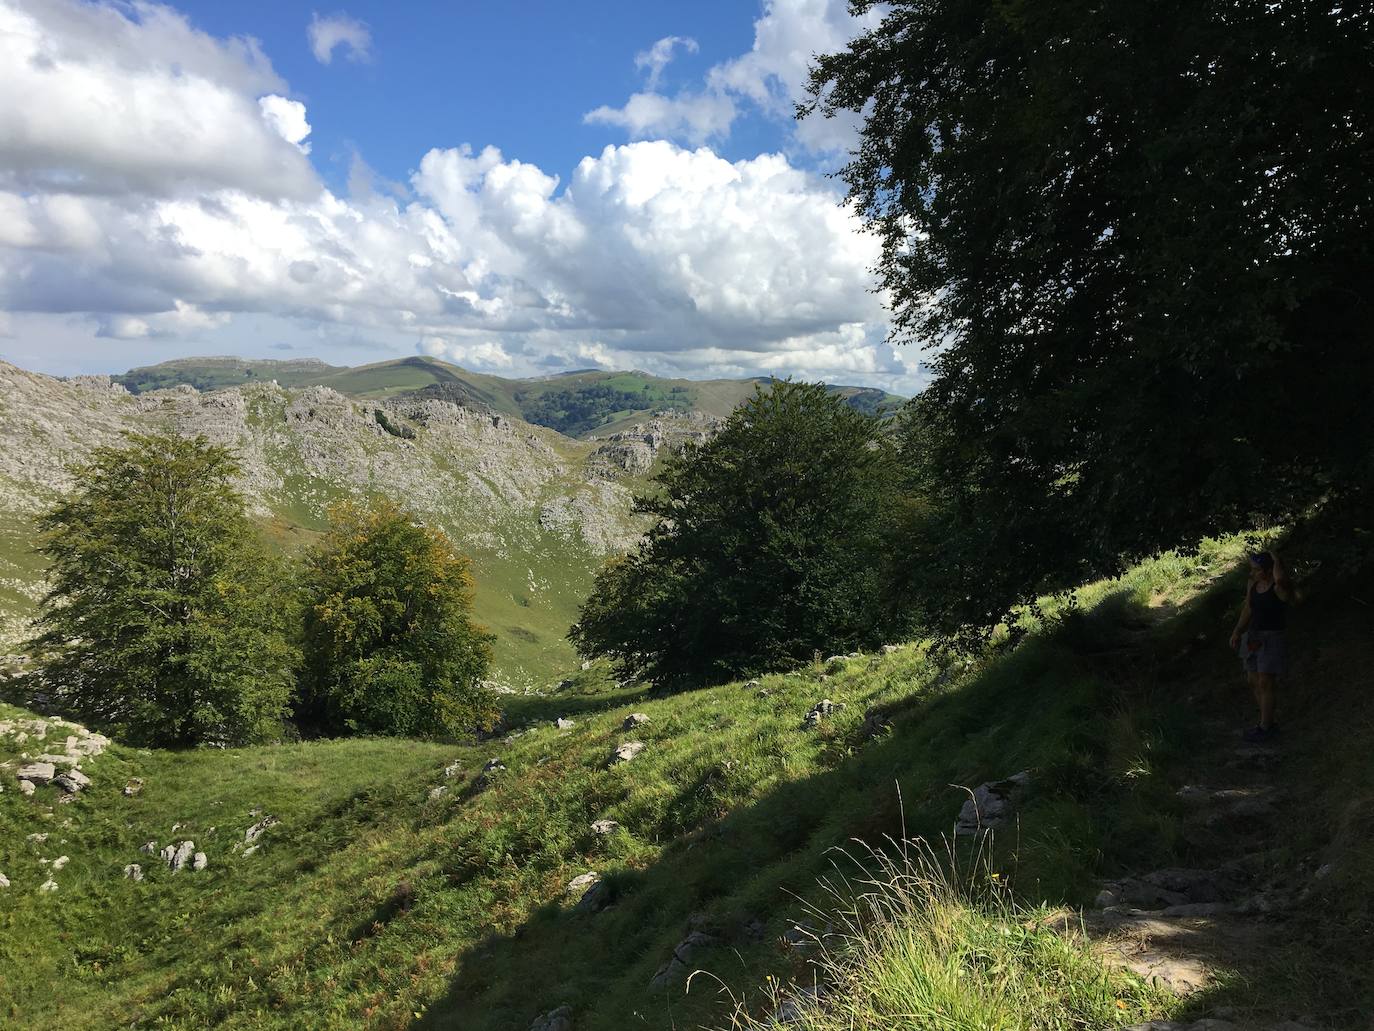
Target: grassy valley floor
(377, 901)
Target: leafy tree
(165, 621)
(390, 646)
(1138, 238)
(769, 546)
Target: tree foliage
(165, 620)
(769, 547)
(1138, 238)
(390, 646)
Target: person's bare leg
(1253, 680)
(1264, 693)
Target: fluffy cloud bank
(650, 254)
(771, 77)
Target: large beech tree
(770, 546)
(1137, 238)
(166, 621)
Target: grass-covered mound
(372, 903)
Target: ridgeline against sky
(515, 193)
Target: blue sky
(446, 74)
(518, 189)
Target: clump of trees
(169, 622)
(770, 545)
(166, 618)
(389, 643)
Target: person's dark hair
(1263, 559)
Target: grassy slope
(371, 904)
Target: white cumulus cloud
(112, 99)
(772, 77)
(338, 30)
(647, 255)
(658, 56)
(287, 117)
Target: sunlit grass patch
(920, 940)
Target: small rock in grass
(134, 787)
(48, 885)
(133, 872)
(199, 861)
(60, 862)
(582, 882)
(38, 837)
(452, 768)
(564, 724)
(36, 773)
(148, 847)
(254, 832)
(752, 683)
(554, 1020)
(596, 898)
(4, 881)
(635, 719)
(822, 709)
(888, 649)
(26, 787)
(179, 855)
(992, 804)
(604, 827)
(436, 793)
(250, 850)
(73, 781)
(624, 753)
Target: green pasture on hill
(372, 904)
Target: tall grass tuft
(923, 940)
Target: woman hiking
(1258, 636)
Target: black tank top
(1267, 609)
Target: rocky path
(1191, 928)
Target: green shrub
(390, 646)
(166, 618)
(395, 429)
(770, 547)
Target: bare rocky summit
(515, 496)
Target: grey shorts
(1264, 651)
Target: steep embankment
(538, 511)
(410, 884)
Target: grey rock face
(37, 773)
(4, 881)
(562, 723)
(992, 804)
(635, 719)
(199, 861)
(604, 827)
(26, 787)
(133, 872)
(624, 753)
(148, 847)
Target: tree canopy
(1137, 239)
(166, 620)
(769, 547)
(390, 646)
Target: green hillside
(574, 403)
(377, 902)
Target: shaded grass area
(374, 905)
